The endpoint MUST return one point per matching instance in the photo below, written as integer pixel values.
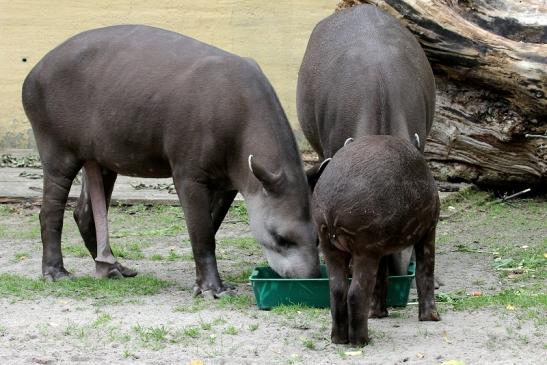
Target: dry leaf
(353, 353)
(196, 362)
(452, 362)
(510, 307)
(420, 355)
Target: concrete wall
(275, 33)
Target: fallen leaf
(196, 362)
(450, 207)
(420, 355)
(452, 362)
(445, 337)
(545, 255)
(353, 353)
(476, 293)
(525, 247)
(510, 307)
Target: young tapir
(142, 101)
(364, 74)
(375, 197)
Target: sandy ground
(171, 327)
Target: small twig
(516, 194)
(535, 136)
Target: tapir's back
(363, 73)
(382, 181)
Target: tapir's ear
(313, 174)
(268, 179)
(348, 141)
(416, 141)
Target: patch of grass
(242, 243)
(512, 299)
(3, 330)
(239, 211)
(173, 256)
(239, 278)
(154, 338)
(156, 257)
(192, 332)
(231, 330)
(309, 344)
(206, 326)
(31, 231)
(81, 288)
(6, 210)
(21, 256)
(102, 319)
(465, 197)
(76, 250)
(253, 327)
(131, 251)
(75, 330)
(197, 305)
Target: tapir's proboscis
(142, 101)
(376, 197)
(364, 74)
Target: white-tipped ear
(324, 164)
(250, 161)
(417, 141)
(349, 140)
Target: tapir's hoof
(104, 270)
(125, 271)
(378, 313)
(431, 315)
(56, 274)
(438, 282)
(359, 341)
(215, 293)
(339, 340)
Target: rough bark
(490, 63)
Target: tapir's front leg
(338, 269)
(364, 269)
(195, 199)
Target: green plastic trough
(271, 290)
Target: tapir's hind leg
(425, 282)
(83, 215)
(105, 262)
(378, 305)
(59, 172)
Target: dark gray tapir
(141, 101)
(376, 197)
(364, 74)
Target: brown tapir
(142, 101)
(364, 74)
(376, 197)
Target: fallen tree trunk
(490, 63)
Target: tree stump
(490, 63)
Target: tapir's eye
(282, 241)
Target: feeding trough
(271, 290)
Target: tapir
(364, 74)
(141, 101)
(375, 197)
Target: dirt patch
(170, 326)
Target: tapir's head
(280, 218)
